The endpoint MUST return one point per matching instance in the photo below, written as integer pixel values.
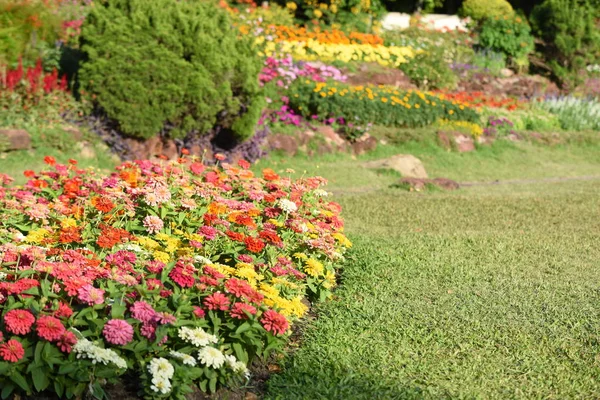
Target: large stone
(169, 149)
(86, 150)
(364, 144)
(16, 139)
(407, 165)
(285, 143)
(331, 136)
(74, 132)
(417, 184)
(456, 140)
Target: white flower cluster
(185, 358)
(197, 336)
(86, 349)
(162, 371)
(321, 193)
(287, 205)
(238, 367)
(211, 357)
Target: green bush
(510, 36)
(480, 10)
(571, 38)
(169, 65)
(430, 70)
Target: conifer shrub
(173, 67)
(479, 10)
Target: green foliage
(510, 36)
(573, 114)
(491, 61)
(382, 105)
(479, 10)
(430, 70)
(26, 27)
(571, 38)
(169, 65)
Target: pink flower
(66, 342)
(239, 310)
(63, 310)
(90, 295)
(274, 322)
(19, 322)
(238, 287)
(142, 311)
(149, 331)
(118, 331)
(217, 301)
(50, 328)
(183, 274)
(198, 312)
(12, 351)
(197, 168)
(164, 318)
(208, 232)
(153, 224)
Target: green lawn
(486, 292)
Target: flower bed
(176, 274)
(384, 105)
(284, 71)
(480, 99)
(333, 36)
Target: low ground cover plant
(575, 114)
(384, 105)
(174, 274)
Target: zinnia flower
(12, 351)
(211, 357)
(142, 311)
(274, 322)
(19, 322)
(153, 224)
(66, 342)
(239, 310)
(118, 331)
(50, 328)
(90, 295)
(217, 301)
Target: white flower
(287, 205)
(197, 336)
(86, 349)
(161, 368)
(3, 276)
(185, 358)
(211, 357)
(238, 367)
(321, 193)
(202, 260)
(161, 385)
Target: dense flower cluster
(178, 271)
(480, 99)
(333, 36)
(471, 128)
(284, 71)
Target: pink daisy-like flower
(66, 342)
(50, 328)
(217, 301)
(118, 331)
(208, 232)
(12, 351)
(153, 224)
(274, 322)
(198, 312)
(142, 311)
(164, 318)
(19, 322)
(90, 295)
(238, 310)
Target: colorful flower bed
(333, 36)
(284, 71)
(383, 105)
(176, 274)
(480, 99)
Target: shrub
(571, 38)
(509, 35)
(174, 66)
(430, 70)
(479, 10)
(375, 104)
(176, 274)
(574, 114)
(490, 61)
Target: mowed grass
(489, 292)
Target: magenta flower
(118, 331)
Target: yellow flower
(333, 8)
(291, 5)
(317, 13)
(451, 112)
(36, 236)
(300, 256)
(148, 243)
(342, 239)
(268, 291)
(162, 236)
(329, 280)
(161, 256)
(68, 223)
(313, 267)
(323, 6)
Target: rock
(286, 143)
(305, 137)
(16, 139)
(73, 131)
(86, 150)
(170, 149)
(250, 396)
(456, 140)
(406, 164)
(507, 73)
(446, 183)
(364, 144)
(514, 137)
(331, 136)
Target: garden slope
(489, 292)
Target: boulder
(86, 150)
(16, 139)
(169, 149)
(285, 143)
(416, 184)
(331, 137)
(456, 140)
(73, 131)
(364, 144)
(407, 165)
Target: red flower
(197, 168)
(238, 287)
(270, 175)
(217, 301)
(183, 274)
(244, 164)
(29, 173)
(198, 312)
(236, 236)
(239, 310)
(19, 321)
(66, 342)
(49, 160)
(50, 328)
(274, 322)
(12, 351)
(102, 204)
(63, 310)
(254, 245)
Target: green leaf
(7, 390)
(20, 380)
(66, 369)
(40, 379)
(118, 309)
(212, 385)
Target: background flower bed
(173, 273)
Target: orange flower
(217, 208)
(270, 175)
(49, 160)
(102, 204)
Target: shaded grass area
(487, 292)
